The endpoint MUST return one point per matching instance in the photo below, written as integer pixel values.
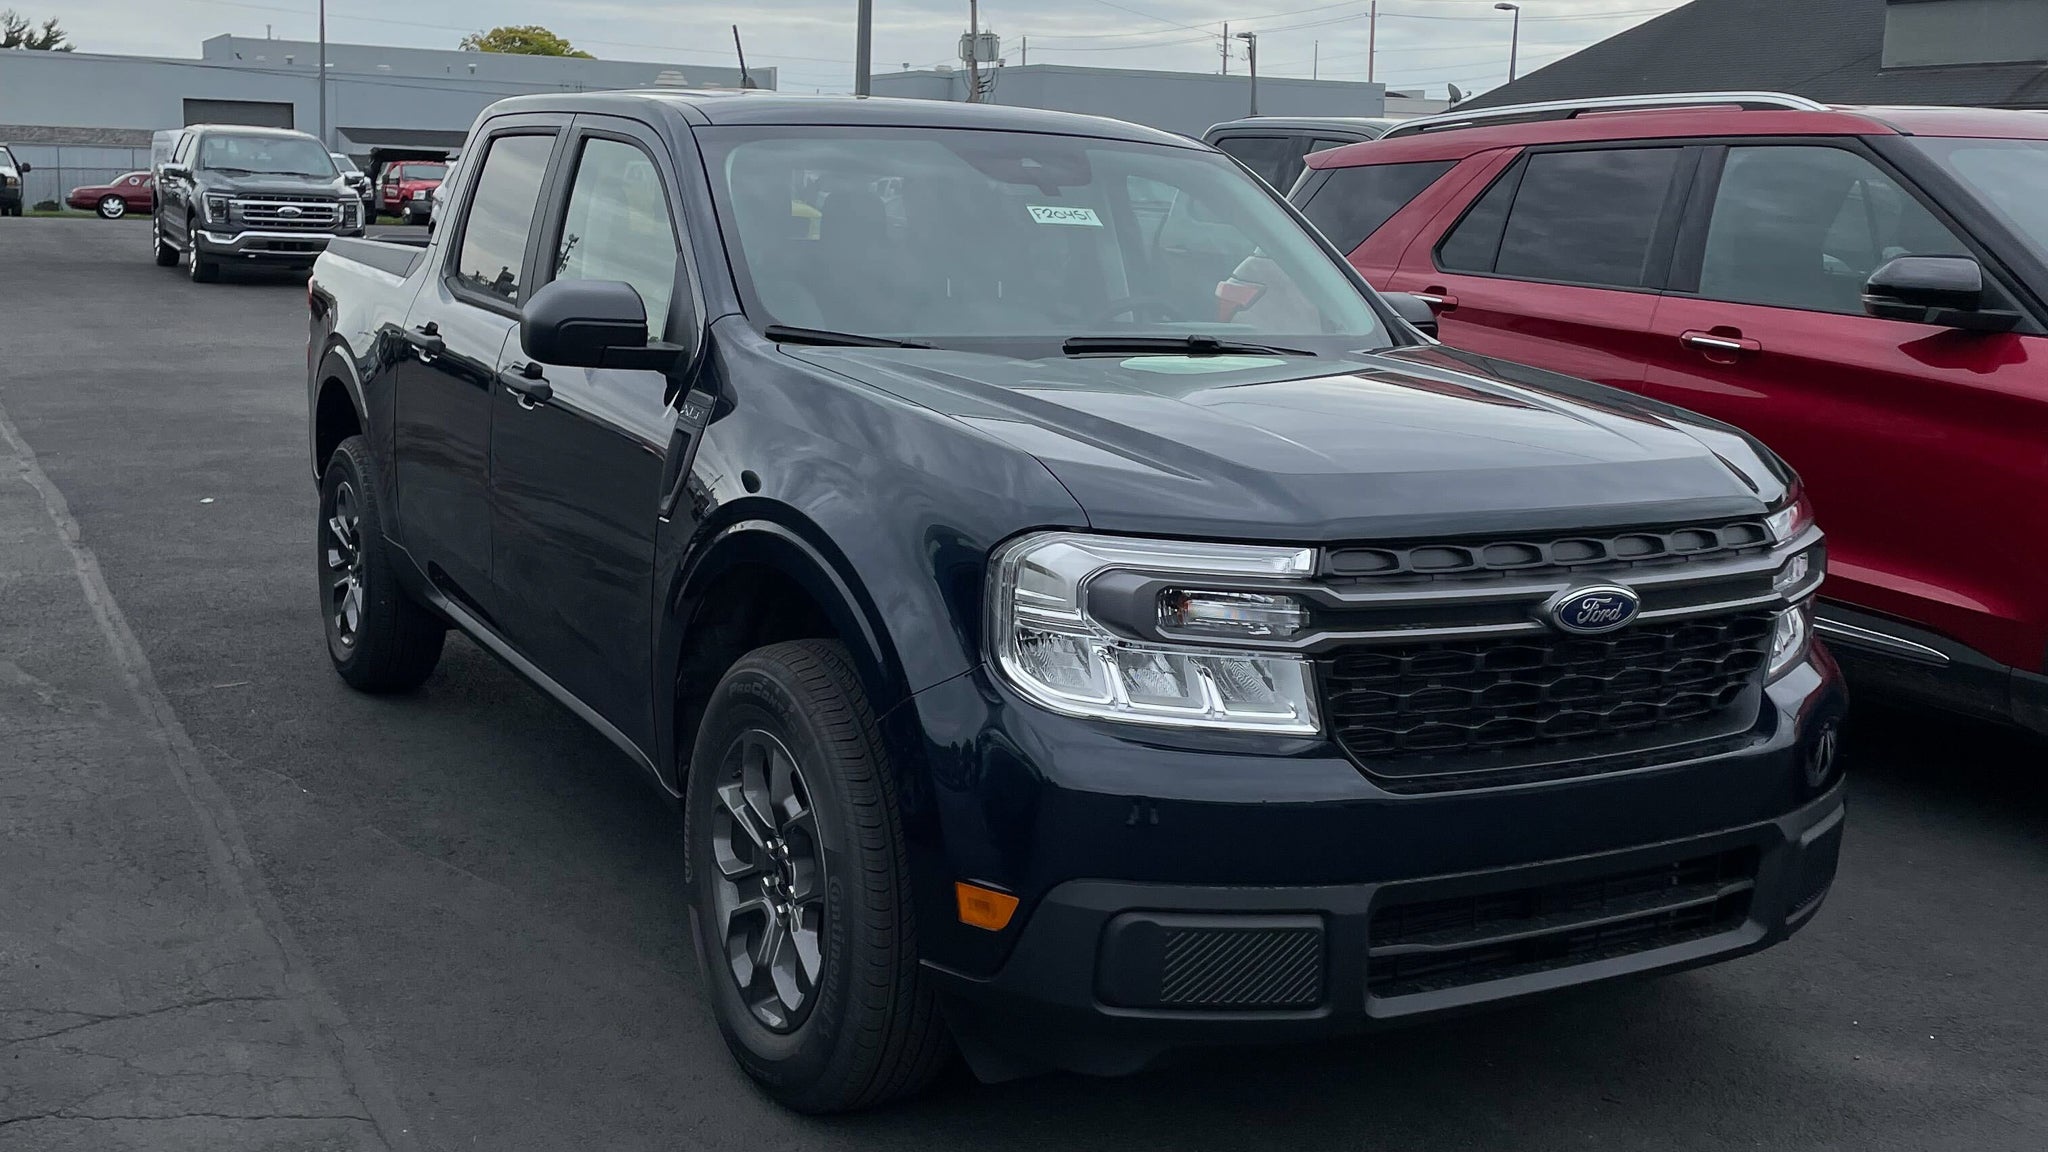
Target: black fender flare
(816, 567)
(335, 363)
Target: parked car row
(1133, 638)
(1865, 290)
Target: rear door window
(1588, 217)
(492, 251)
(1353, 203)
(1276, 159)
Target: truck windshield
(972, 236)
(266, 155)
(2006, 175)
(426, 171)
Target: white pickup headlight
(1791, 633)
(1045, 643)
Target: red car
(406, 189)
(1865, 290)
(135, 192)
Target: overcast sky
(1422, 43)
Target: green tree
(522, 40)
(17, 32)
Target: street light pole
(1515, 38)
(323, 75)
(1251, 55)
(863, 45)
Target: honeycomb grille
(1452, 708)
(1577, 553)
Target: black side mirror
(1410, 307)
(1943, 290)
(593, 324)
(24, 169)
(174, 172)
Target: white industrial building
(81, 118)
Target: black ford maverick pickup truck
(1077, 618)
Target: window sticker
(1061, 214)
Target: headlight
(349, 209)
(419, 194)
(216, 208)
(1792, 518)
(1791, 630)
(1045, 642)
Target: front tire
(203, 271)
(380, 640)
(799, 885)
(112, 208)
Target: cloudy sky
(1422, 43)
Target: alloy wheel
(770, 888)
(113, 207)
(342, 550)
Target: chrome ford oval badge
(1590, 611)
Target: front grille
(1426, 945)
(1578, 552)
(1451, 713)
(287, 213)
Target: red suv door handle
(1722, 343)
(1437, 298)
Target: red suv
(1864, 289)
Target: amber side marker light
(984, 907)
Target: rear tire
(788, 736)
(166, 256)
(380, 639)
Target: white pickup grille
(289, 213)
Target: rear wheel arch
(755, 583)
(338, 410)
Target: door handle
(1725, 344)
(1437, 298)
(526, 383)
(426, 340)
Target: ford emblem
(290, 212)
(1591, 611)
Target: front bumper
(10, 197)
(269, 246)
(1175, 898)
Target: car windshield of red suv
(2009, 176)
(267, 156)
(1021, 238)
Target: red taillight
(1234, 296)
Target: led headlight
(1791, 631)
(1047, 645)
(216, 208)
(1791, 518)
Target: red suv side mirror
(1944, 290)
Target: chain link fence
(58, 168)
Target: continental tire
(799, 887)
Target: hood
(268, 185)
(1406, 442)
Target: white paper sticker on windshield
(1057, 214)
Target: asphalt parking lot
(243, 907)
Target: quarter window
(618, 228)
(500, 215)
(1475, 240)
(1353, 203)
(1804, 227)
(1588, 217)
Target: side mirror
(175, 172)
(1410, 307)
(593, 324)
(24, 169)
(1943, 290)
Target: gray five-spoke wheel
(344, 556)
(770, 891)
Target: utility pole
(1024, 51)
(974, 51)
(1251, 54)
(323, 75)
(863, 45)
(1226, 47)
(1515, 38)
(1372, 40)
(1315, 62)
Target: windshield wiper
(1191, 345)
(790, 334)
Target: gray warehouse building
(1183, 102)
(80, 118)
